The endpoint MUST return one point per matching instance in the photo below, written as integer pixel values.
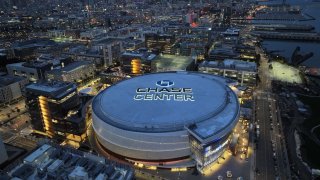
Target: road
(13, 137)
(271, 154)
(264, 158)
(9, 112)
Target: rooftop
(222, 50)
(54, 89)
(231, 64)
(33, 43)
(172, 63)
(53, 161)
(142, 55)
(32, 64)
(36, 64)
(8, 79)
(213, 107)
(71, 67)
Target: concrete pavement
(271, 156)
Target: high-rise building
(53, 107)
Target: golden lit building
(54, 109)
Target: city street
(264, 161)
(271, 155)
(9, 112)
(13, 137)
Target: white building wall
(140, 145)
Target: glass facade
(205, 154)
(55, 113)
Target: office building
(222, 53)
(33, 71)
(73, 72)
(242, 71)
(53, 107)
(162, 42)
(137, 61)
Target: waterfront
(286, 48)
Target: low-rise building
(73, 72)
(11, 88)
(137, 62)
(222, 53)
(244, 72)
(51, 161)
(34, 71)
(162, 42)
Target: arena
(166, 117)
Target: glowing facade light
(45, 113)
(136, 66)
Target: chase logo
(165, 83)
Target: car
(229, 174)
(220, 177)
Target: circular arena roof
(164, 102)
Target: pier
(287, 36)
(283, 27)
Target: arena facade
(164, 118)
